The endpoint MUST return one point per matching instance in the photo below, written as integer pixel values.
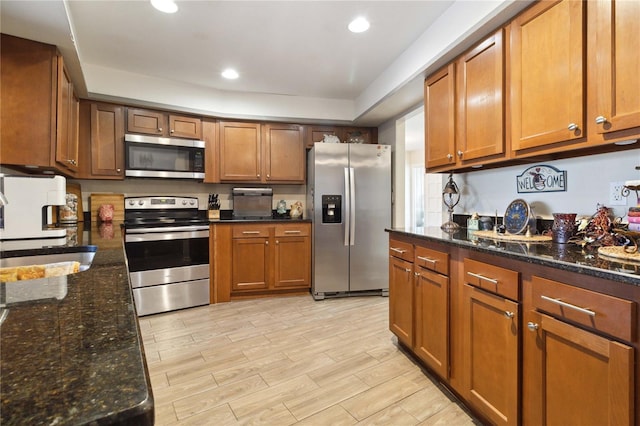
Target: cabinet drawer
(596, 311)
(504, 282)
(401, 250)
(250, 231)
(289, 230)
(432, 259)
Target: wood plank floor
(292, 360)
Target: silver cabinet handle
(292, 232)
(250, 232)
(449, 156)
(268, 175)
(572, 127)
(72, 162)
(460, 153)
(118, 170)
(397, 250)
(172, 131)
(509, 314)
(532, 326)
(569, 305)
(407, 270)
(600, 119)
(417, 274)
(482, 277)
(266, 243)
(258, 175)
(277, 241)
(160, 129)
(426, 259)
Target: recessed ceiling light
(166, 6)
(230, 74)
(359, 25)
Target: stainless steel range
(167, 247)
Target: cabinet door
(66, 121)
(439, 120)
(582, 378)
(614, 85)
(547, 75)
(211, 149)
(315, 134)
(107, 141)
(292, 262)
(240, 154)
(185, 127)
(250, 270)
(432, 320)
(481, 107)
(146, 121)
(401, 300)
(492, 355)
(284, 154)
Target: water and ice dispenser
(332, 209)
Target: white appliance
(27, 213)
(349, 201)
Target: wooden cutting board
(513, 237)
(96, 200)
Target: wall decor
(542, 178)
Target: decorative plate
(517, 216)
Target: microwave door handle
(352, 208)
(347, 205)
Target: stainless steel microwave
(157, 157)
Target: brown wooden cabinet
(159, 123)
(39, 112)
(107, 141)
(401, 299)
(548, 77)
(315, 134)
(578, 370)
(492, 334)
(269, 257)
(431, 309)
(284, 154)
(212, 151)
(439, 119)
(261, 153)
(613, 69)
(480, 117)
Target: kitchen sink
(69, 260)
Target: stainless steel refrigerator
(349, 201)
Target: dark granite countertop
(76, 355)
(569, 257)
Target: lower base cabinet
(525, 344)
(259, 259)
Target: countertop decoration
(601, 230)
(450, 198)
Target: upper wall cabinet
(465, 109)
(39, 111)
(162, 124)
(315, 134)
(439, 119)
(261, 153)
(480, 130)
(547, 77)
(107, 141)
(614, 67)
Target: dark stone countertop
(569, 257)
(76, 356)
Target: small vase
(564, 225)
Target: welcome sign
(542, 178)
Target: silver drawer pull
(407, 270)
(292, 232)
(426, 259)
(569, 305)
(250, 232)
(481, 277)
(509, 314)
(397, 250)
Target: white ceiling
(296, 59)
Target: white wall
(588, 181)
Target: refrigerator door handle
(347, 205)
(352, 208)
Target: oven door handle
(167, 229)
(165, 236)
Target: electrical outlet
(615, 194)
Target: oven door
(167, 254)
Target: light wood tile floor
(292, 360)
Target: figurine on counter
(296, 210)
